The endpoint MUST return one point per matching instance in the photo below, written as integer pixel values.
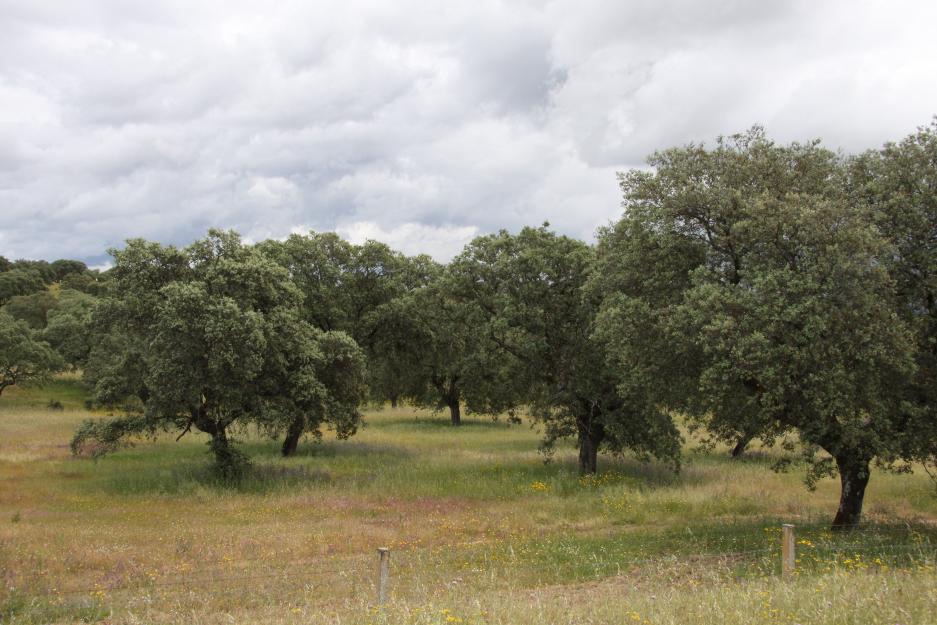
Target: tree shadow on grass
(515, 476)
(350, 448)
(437, 422)
(756, 457)
(632, 472)
(185, 476)
(170, 469)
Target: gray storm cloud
(419, 123)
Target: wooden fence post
(383, 575)
(787, 550)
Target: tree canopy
(898, 184)
(16, 282)
(436, 343)
(24, 359)
(783, 317)
(530, 287)
(217, 340)
(68, 328)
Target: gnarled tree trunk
(451, 395)
(590, 437)
(219, 445)
(228, 461)
(293, 434)
(741, 445)
(455, 412)
(853, 478)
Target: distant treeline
(760, 290)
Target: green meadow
(480, 528)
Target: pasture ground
(481, 531)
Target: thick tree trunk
(853, 478)
(590, 437)
(229, 462)
(222, 452)
(393, 401)
(741, 445)
(455, 412)
(219, 441)
(451, 396)
(293, 434)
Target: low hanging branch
(97, 437)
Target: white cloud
(421, 120)
(440, 242)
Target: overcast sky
(418, 123)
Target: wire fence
(420, 571)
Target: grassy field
(481, 531)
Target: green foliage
(39, 267)
(312, 378)
(899, 185)
(772, 310)
(19, 282)
(24, 359)
(345, 287)
(33, 308)
(96, 437)
(437, 346)
(530, 288)
(339, 369)
(341, 283)
(211, 337)
(115, 367)
(90, 282)
(62, 268)
(68, 329)
(64, 318)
